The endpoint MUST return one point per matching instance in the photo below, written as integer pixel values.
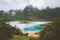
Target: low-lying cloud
(20, 4)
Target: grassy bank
(17, 37)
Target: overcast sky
(20, 4)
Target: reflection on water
(28, 27)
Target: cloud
(20, 4)
(2, 2)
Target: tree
(52, 31)
(6, 31)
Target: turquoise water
(33, 28)
(29, 27)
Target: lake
(29, 27)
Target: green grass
(16, 37)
